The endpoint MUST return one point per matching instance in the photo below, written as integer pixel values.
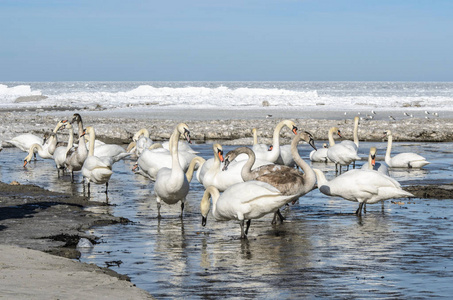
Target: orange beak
(25, 163)
(294, 130)
(220, 153)
(373, 160)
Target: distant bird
(392, 118)
(408, 115)
(268, 116)
(373, 112)
(426, 112)
(436, 114)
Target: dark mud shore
(34, 218)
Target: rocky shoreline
(119, 128)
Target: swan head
(291, 125)
(324, 145)
(231, 155)
(270, 148)
(76, 118)
(205, 205)
(184, 131)
(335, 130)
(387, 133)
(373, 155)
(218, 150)
(135, 168)
(308, 137)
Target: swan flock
(247, 183)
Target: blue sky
(317, 40)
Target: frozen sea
(315, 96)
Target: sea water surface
(412, 96)
(321, 250)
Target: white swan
(403, 160)
(341, 155)
(262, 151)
(96, 169)
(60, 153)
(320, 155)
(373, 165)
(242, 201)
(213, 165)
(156, 157)
(76, 156)
(288, 180)
(363, 186)
(171, 184)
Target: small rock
(14, 183)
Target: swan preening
(402, 160)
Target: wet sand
(38, 219)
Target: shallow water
(321, 250)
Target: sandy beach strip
(32, 274)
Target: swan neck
(210, 192)
(389, 148)
(197, 160)
(255, 137)
(174, 138)
(246, 171)
(331, 140)
(92, 139)
(356, 131)
(32, 149)
(70, 140)
(320, 177)
(309, 175)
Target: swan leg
(382, 206)
(243, 235)
(358, 212)
(182, 208)
(280, 217)
(72, 181)
(364, 207)
(89, 192)
(158, 209)
(106, 192)
(247, 227)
